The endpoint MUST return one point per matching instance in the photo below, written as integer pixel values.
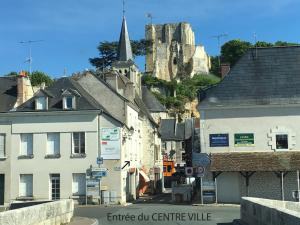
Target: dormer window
(41, 103)
(69, 102)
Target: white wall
(41, 167)
(5, 128)
(260, 121)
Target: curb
(219, 205)
(84, 221)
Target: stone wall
(54, 213)
(256, 211)
(174, 54)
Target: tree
(215, 68)
(232, 50)
(108, 52)
(37, 78)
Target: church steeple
(124, 47)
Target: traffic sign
(200, 171)
(99, 174)
(200, 159)
(99, 160)
(189, 171)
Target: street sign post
(99, 160)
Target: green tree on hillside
(108, 52)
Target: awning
(255, 161)
(144, 175)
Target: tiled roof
(255, 161)
(8, 93)
(263, 76)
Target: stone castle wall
(174, 53)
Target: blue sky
(72, 29)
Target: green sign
(244, 140)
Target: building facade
(249, 127)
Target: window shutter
(2, 145)
(53, 143)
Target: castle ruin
(174, 54)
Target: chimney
(111, 79)
(225, 68)
(25, 91)
(130, 91)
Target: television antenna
(218, 37)
(149, 15)
(29, 59)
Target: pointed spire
(124, 48)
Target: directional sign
(99, 169)
(99, 174)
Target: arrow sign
(126, 163)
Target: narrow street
(158, 210)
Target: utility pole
(29, 60)
(218, 37)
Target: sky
(71, 30)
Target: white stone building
(249, 126)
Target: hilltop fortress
(174, 54)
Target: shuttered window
(53, 143)
(78, 184)
(25, 185)
(26, 144)
(2, 145)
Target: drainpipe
(282, 187)
(298, 184)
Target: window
(41, 103)
(78, 184)
(69, 102)
(2, 145)
(169, 168)
(282, 141)
(26, 144)
(53, 142)
(25, 185)
(183, 156)
(55, 186)
(79, 143)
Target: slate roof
(172, 131)
(151, 102)
(55, 95)
(255, 161)
(263, 76)
(143, 109)
(124, 47)
(8, 93)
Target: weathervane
(123, 8)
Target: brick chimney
(25, 91)
(225, 68)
